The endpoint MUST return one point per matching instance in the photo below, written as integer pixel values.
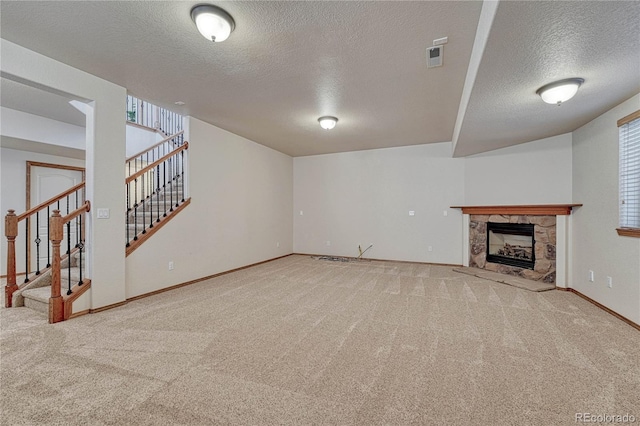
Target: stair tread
(41, 294)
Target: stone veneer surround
(545, 245)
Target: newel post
(56, 303)
(11, 232)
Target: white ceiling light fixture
(560, 91)
(327, 122)
(214, 23)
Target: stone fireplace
(529, 241)
(527, 250)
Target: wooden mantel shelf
(531, 210)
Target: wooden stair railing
(59, 308)
(154, 192)
(67, 200)
(137, 161)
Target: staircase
(155, 189)
(36, 293)
(156, 210)
(155, 193)
(42, 289)
(163, 201)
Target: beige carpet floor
(302, 341)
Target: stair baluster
(127, 215)
(48, 239)
(164, 188)
(151, 194)
(182, 173)
(77, 227)
(37, 241)
(135, 209)
(158, 190)
(80, 248)
(144, 207)
(171, 174)
(26, 252)
(69, 257)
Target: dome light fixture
(214, 23)
(560, 91)
(327, 122)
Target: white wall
(13, 181)
(241, 207)
(596, 244)
(365, 197)
(105, 151)
(537, 172)
(139, 139)
(21, 125)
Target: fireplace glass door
(511, 244)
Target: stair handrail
(51, 200)
(156, 163)
(11, 233)
(165, 140)
(56, 225)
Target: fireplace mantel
(531, 209)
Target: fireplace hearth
(511, 244)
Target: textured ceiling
(598, 41)
(287, 63)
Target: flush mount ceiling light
(213, 23)
(327, 122)
(560, 91)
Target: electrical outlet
(171, 266)
(278, 244)
(301, 213)
(430, 248)
(609, 282)
(592, 277)
(445, 213)
(412, 213)
(102, 214)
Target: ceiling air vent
(434, 56)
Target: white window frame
(629, 175)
